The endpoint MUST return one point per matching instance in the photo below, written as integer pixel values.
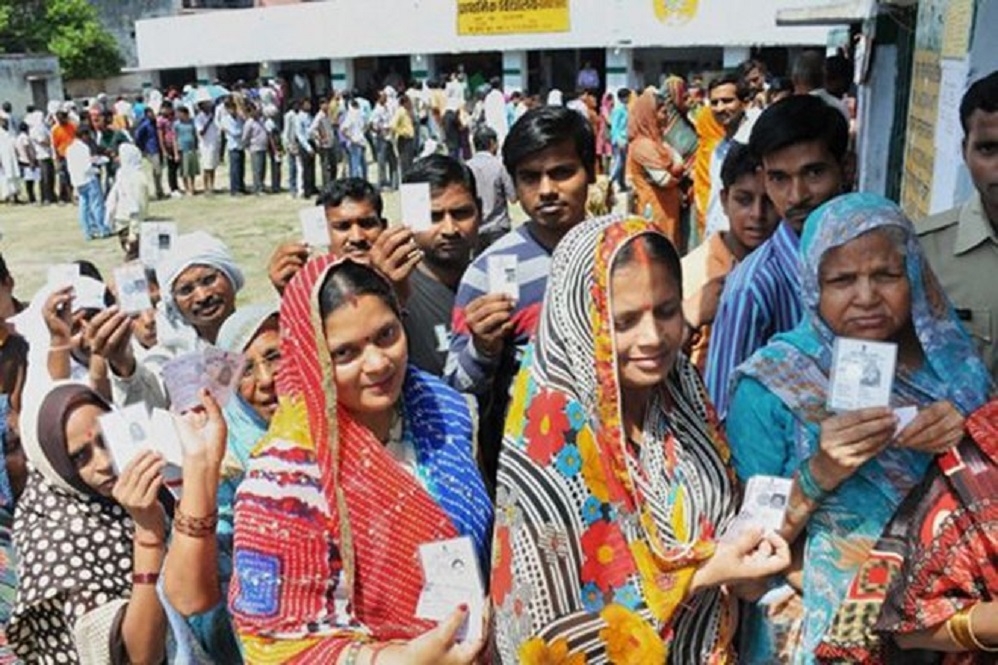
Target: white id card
(415, 203)
(451, 578)
(764, 506)
(862, 374)
(62, 275)
(905, 414)
(314, 227)
(156, 239)
(88, 294)
(133, 288)
(126, 433)
(504, 275)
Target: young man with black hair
(446, 247)
(961, 244)
(802, 143)
(550, 153)
(729, 97)
(495, 188)
(752, 220)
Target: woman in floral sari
(864, 276)
(613, 479)
(366, 459)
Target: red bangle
(145, 578)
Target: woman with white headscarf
(127, 204)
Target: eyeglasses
(270, 362)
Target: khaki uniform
(962, 248)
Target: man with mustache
(729, 96)
(198, 281)
(446, 249)
(802, 143)
(550, 153)
(357, 228)
(962, 243)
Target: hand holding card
(764, 506)
(504, 275)
(451, 578)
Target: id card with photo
(862, 374)
(133, 288)
(89, 294)
(764, 506)
(126, 433)
(314, 227)
(156, 239)
(504, 275)
(451, 578)
(415, 203)
(217, 370)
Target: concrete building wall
(29, 79)
(119, 17)
(358, 28)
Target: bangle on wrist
(60, 347)
(144, 578)
(980, 646)
(150, 544)
(809, 487)
(195, 527)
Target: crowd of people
(589, 433)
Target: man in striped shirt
(802, 143)
(550, 153)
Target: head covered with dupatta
(580, 562)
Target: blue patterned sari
(778, 404)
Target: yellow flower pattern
(629, 638)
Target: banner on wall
(506, 17)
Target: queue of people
(592, 441)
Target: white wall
(354, 28)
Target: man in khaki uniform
(962, 244)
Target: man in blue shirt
(802, 143)
(147, 140)
(618, 139)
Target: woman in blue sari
(864, 276)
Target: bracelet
(973, 636)
(153, 545)
(958, 627)
(808, 485)
(195, 527)
(353, 652)
(145, 578)
(60, 348)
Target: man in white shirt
(306, 153)
(495, 111)
(83, 177)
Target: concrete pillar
(736, 55)
(514, 71)
(619, 68)
(205, 74)
(422, 66)
(341, 73)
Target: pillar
(205, 74)
(341, 75)
(514, 71)
(619, 68)
(421, 66)
(736, 55)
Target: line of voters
(585, 451)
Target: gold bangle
(958, 627)
(973, 636)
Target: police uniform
(961, 245)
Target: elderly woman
(90, 543)
(864, 277)
(614, 485)
(366, 459)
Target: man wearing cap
(198, 282)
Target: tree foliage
(69, 29)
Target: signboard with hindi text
(506, 17)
